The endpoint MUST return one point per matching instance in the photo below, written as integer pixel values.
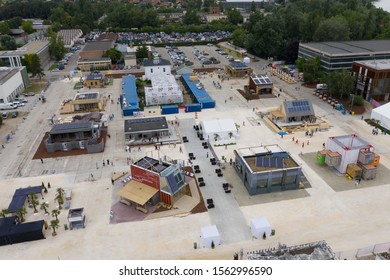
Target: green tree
(142, 52)
(55, 213)
(44, 207)
(20, 213)
(15, 22)
(312, 70)
(60, 197)
(56, 46)
(234, 16)
(34, 201)
(33, 65)
(4, 28)
(4, 213)
(341, 84)
(7, 42)
(239, 37)
(333, 29)
(253, 7)
(54, 224)
(191, 17)
(114, 54)
(27, 26)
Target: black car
(14, 114)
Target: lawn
(35, 87)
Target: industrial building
(69, 36)
(75, 135)
(95, 49)
(341, 55)
(164, 90)
(91, 64)
(145, 128)
(13, 58)
(12, 83)
(373, 79)
(265, 169)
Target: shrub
(358, 101)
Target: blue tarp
(201, 95)
(20, 196)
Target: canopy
(221, 127)
(259, 226)
(382, 114)
(137, 192)
(210, 234)
(19, 197)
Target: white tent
(222, 128)
(382, 113)
(259, 226)
(246, 60)
(208, 235)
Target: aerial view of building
(164, 90)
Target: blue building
(129, 98)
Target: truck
(7, 106)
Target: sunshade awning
(277, 114)
(137, 192)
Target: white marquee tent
(259, 226)
(382, 113)
(222, 128)
(208, 235)
(164, 90)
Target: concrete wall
(11, 88)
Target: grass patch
(78, 85)
(35, 87)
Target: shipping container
(366, 157)
(169, 109)
(369, 171)
(321, 156)
(333, 159)
(192, 108)
(354, 170)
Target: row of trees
(34, 203)
(278, 33)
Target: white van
(18, 103)
(7, 106)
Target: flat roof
(129, 91)
(94, 76)
(33, 47)
(98, 46)
(95, 59)
(238, 65)
(146, 124)
(377, 64)
(347, 48)
(71, 127)
(86, 95)
(150, 62)
(261, 80)
(6, 73)
(350, 142)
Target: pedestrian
(225, 147)
(207, 155)
(296, 141)
(42, 161)
(253, 109)
(362, 118)
(356, 183)
(323, 146)
(293, 139)
(180, 150)
(243, 123)
(308, 142)
(104, 164)
(112, 181)
(225, 100)
(97, 167)
(112, 163)
(3, 146)
(139, 148)
(108, 162)
(303, 144)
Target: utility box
(366, 157)
(354, 170)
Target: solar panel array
(270, 162)
(237, 64)
(261, 80)
(72, 126)
(147, 162)
(299, 106)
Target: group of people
(108, 162)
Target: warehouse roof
(349, 47)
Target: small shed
(208, 235)
(259, 226)
(76, 218)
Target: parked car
(14, 114)
(4, 115)
(23, 100)
(29, 94)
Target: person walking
(207, 155)
(180, 150)
(41, 160)
(104, 164)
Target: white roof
(163, 80)
(383, 110)
(210, 231)
(260, 223)
(378, 64)
(218, 126)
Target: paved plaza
(346, 220)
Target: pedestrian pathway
(226, 215)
